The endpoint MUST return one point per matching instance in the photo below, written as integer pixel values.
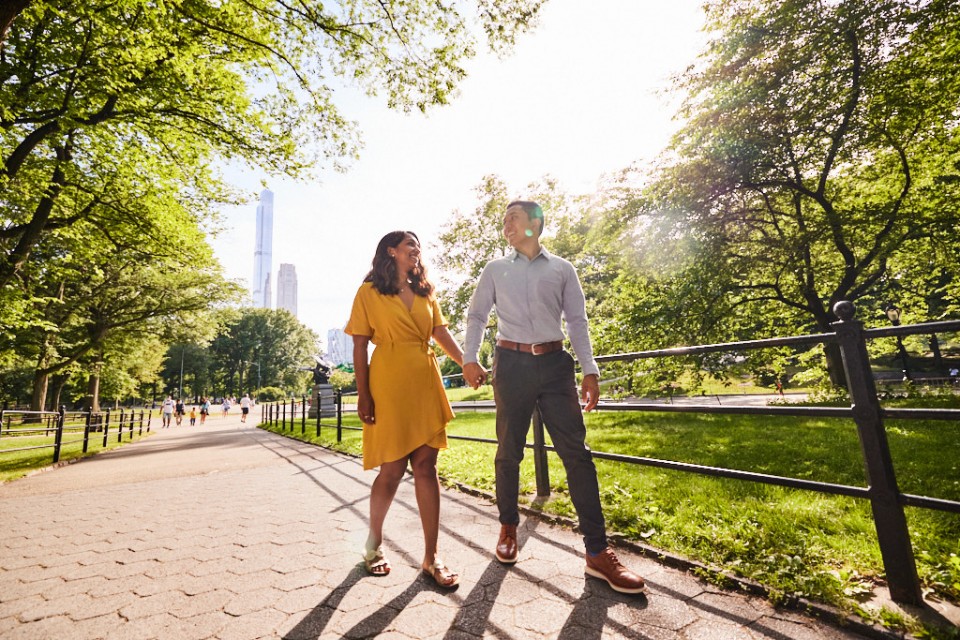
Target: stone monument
(323, 399)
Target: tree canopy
(110, 104)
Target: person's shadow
(317, 620)
(589, 616)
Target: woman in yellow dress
(401, 400)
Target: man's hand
(474, 375)
(590, 391)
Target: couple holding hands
(405, 410)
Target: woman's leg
(427, 487)
(381, 496)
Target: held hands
(474, 375)
(365, 409)
(590, 391)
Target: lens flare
(528, 233)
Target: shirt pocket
(549, 290)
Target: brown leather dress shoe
(606, 566)
(507, 544)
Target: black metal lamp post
(893, 314)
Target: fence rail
(15, 423)
(882, 491)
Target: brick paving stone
(52, 627)
(206, 625)
(251, 601)
(259, 624)
(151, 605)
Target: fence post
(58, 438)
(540, 468)
(120, 427)
(303, 415)
(339, 416)
(293, 413)
(106, 426)
(283, 418)
(86, 431)
(888, 516)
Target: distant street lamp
(893, 314)
(180, 391)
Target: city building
(263, 252)
(287, 288)
(339, 347)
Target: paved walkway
(227, 531)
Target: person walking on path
(401, 400)
(204, 409)
(180, 411)
(244, 407)
(225, 406)
(166, 411)
(532, 291)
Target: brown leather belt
(537, 349)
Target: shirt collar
(543, 252)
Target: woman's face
(406, 254)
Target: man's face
(517, 226)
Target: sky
(579, 98)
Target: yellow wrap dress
(410, 405)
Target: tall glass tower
(263, 252)
(287, 288)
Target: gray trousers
(520, 382)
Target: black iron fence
(882, 491)
(34, 430)
(293, 414)
(886, 500)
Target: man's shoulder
(556, 260)
(507, 259)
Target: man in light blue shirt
(533, 291)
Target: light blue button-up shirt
(531, 297)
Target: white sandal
(375, 562)
(441, 575)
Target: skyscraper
(263, 252)
(287, 288)
(339, 347)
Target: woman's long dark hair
(383, 275)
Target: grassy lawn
(798, 543)
(16, 464)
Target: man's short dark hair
(533, 211)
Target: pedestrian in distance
(204, 409)
(244, 407)
(225, 406)
(193, 416)
(533, 291)
(166, 411)
(180, 411)
(401, 400)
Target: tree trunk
(59, 381)
(838, 376)
(93, 391)
(937, 356)
(9, 10)
(40, 383)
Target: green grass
(16, 464)
(798, 543)
(466, 394)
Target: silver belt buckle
(533, 349)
